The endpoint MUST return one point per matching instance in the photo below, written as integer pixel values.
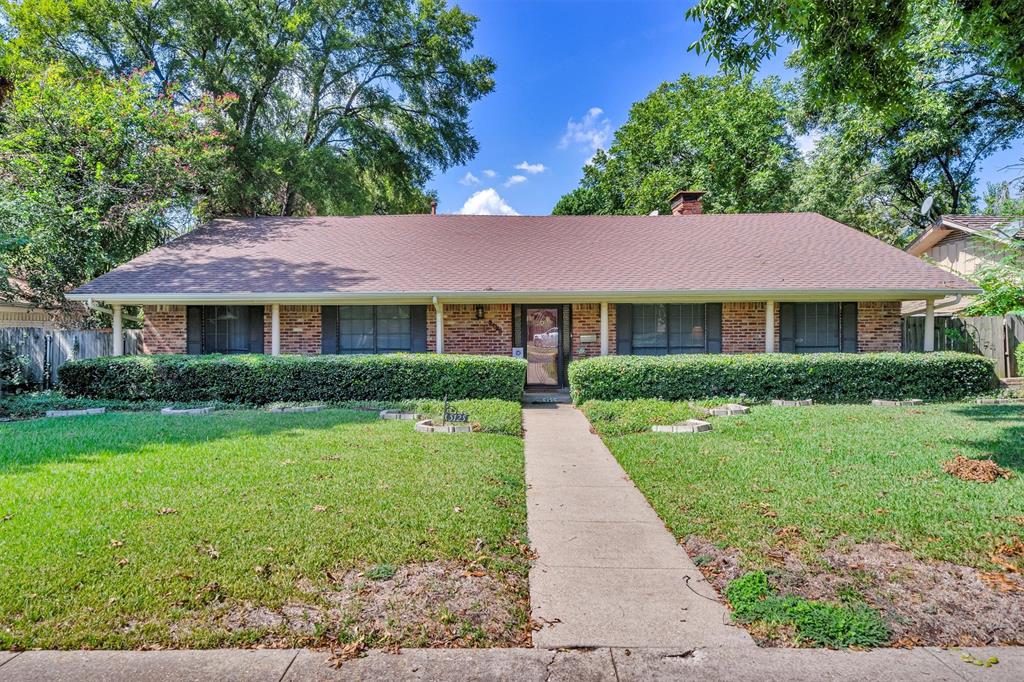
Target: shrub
(831, 625)
(263, 379)
(36, 404)
(828, 377)
(1020, 358)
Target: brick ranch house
(548, 288)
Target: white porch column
(604, 328)
(769, 327)
(929, 326)
(117, 329)
(438, 326)
(275, 329)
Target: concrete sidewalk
(519, 665)
(608, 573)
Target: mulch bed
(925, 603)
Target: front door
(543, 346)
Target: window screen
(817, 327)
(226, 329)
(660, 329)
(364, 329)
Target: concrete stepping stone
(688, 426)
(730, 410)
(1000, 401)
(76, 413)
(401, 414)
(187, 411)
(792, 403)
(294, 410)
(896, 403)
(428, 426)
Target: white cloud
(489, 173)
(469, 179)
(486, 202)
(515, 180)
(531, 168)
(807, 143)
(592, 132)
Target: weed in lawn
(831, 625)
(382, 572)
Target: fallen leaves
(346, 653)
(319, 508)
(208, 549)
(116, 543)
(166, 511)
(980, 470)
(1000, 582)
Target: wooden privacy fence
(996, 338)
(46, 350)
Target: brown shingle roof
(423, 254)
(977, 223)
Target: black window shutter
(517, 326)
(624, 328)
(255, 329)
(713, 331)
(194, 330)
(787, 327)
(848, 327)
(328, 329)
(418, 327)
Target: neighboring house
(963, 245)
(551, 288)
(16, 311)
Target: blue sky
(568, 71)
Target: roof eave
(541, 296)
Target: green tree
(1002, 200)
(95, 171)
(722, 134)
(868, 51)
(342, 106)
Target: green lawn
(864, 473)
(117, 529)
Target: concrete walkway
(608, 573)
(518, 665)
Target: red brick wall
(464, 334)
(743, 327)
(300, 329)
(586, 319)
(164, 329)
(879, 326)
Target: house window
(224, 329)
(817, 328)
(365, 329)
(662, 329)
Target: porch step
(1013, 382)
(535, 397)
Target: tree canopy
(335, 106)
(93, 172)
(722, 134)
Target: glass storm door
(542, 346)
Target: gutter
(539, 296)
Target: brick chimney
(686, 202)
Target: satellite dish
(926, 205)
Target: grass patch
(117, 529)
(816, 622)
(858, 472)
(619, 417)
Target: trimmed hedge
(827, 378)
(262, 379)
